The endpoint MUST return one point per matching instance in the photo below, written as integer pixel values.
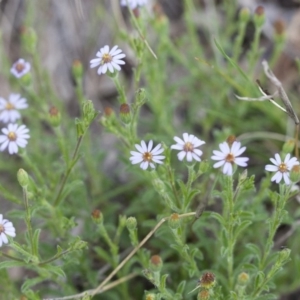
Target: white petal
(227, 169)
(181, 155)
(278, 159)
(196, 157)
(144, 165)
(271, 168)
(4, 238)
(287, 158)
(241, 161)
(177, 147)
(219, 164)
(178, 140)
(224, 148)
(286, 178)
(189, 156)
(185, 137)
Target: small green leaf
(240, 228)
(218, 217)
(31, 282)
(181, 287)
(259, 278)
(36, 236)
(163, 280)
(11, 263)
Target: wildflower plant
(101, 198)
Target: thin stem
(148, 236)
(137, 27)
(28, 221)
(11, 257)
(55, 257)
(173, 185)
(66, 176)
(91, 292)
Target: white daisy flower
(132, 4)
(187, 147)
(14, 136)
(9, 109)
(108, 60)
(282, 168)
(228, 156)
(20, 68)
(6, 228)
(146, 155)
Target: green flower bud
(174, 221)
(131, 223)
(259, 16)
(140, 98)
(203, 295)
(284, 254)
(29, 39)
(23, 178)
(207, 280)
(125, 114)
(97, 216)
(155, 263)
(89, 112)
(288, 146)
(54, 116)
(77, 69)
(243, 279)
(295, 173)
(244, 15)
(150, 297)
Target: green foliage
(193, 216)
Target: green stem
(120, 90)
(275, 221)
(11, 257)
(55, 257)
(28, 222)
(58, 198)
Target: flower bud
(243, 279)
(174, 221)
(284, 254)
(231, 139)
(131, 223)
(140, 97)
(23, 178)
(89, 112)
(207, 280)
(125, 113)
(150, 297)
(288, 146)
(97, 216)
(108, 111)
(29, 39)
(244, 15)
(203, 295)
(77, 69)
(155, 263)
(295, 173)
(54, 116)
(259, 16)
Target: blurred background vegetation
(190, 87)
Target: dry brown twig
(288, 108)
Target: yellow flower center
(12, 136)
(106, 58)
(230, 158)
(1, 228)
(147, 156)
(19, 67)
(188, 147)
(282, 168)
(9, 106)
